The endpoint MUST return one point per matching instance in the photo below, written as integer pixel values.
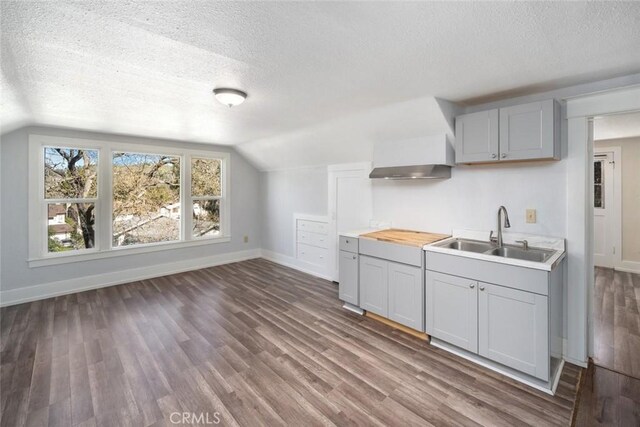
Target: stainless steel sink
(532, 254)
(507, 251)
(469, 246)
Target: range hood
(419, 158)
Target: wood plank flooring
(616, 325)
(254, 342)
(608, 399)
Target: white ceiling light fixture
(230, 97)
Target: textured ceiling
(148, 68)
(617, 126)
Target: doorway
(616, 246)
(350, 204)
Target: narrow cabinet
(528, 131)
(348, 272)
(452, 310)
(406, 295)
(373, 285)
(477, 137)
(513, 329)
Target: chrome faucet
(507, 224)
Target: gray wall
(630, 162)
(285, 193)
(15, 272)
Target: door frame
(580, 271)
(333, 172)
(614, 219)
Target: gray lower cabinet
(348, 280)
(406, 295)
(452, 310)
(506, 325)
(513, 329)
(373, 285)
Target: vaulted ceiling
(148, 68)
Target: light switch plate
(531, 216)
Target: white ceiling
(148, 68)
(617, 126)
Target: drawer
(349, 244)
(312, 254)
(313, 226)
(403, 254)
(511, 276)
(313, 239)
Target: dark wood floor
(616, 325)
(256, 342)
(608, 399)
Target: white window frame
(37, 206)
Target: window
(206, 196)
(146, 198)
(96, 199)
(70, 192)
(598, 183)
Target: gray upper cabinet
(477, 137)
(513, 329)
(528, 131)
(406, 295)
(348, 272)
(521, 132)
(452, 310)
(373, 285)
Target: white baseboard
(629, 267)
(296, 264)
(85, 283)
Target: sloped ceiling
(148, 68)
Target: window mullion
(185, 198)
(103, 222)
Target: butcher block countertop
(405, 237)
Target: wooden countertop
(405, 237)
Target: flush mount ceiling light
(230, 97)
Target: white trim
(628, 267)
(308, 217)
(295, 263)
(580, 112)
(85, 283)
(604, 103)
(547, 387)
(90, 255)
(38, 253)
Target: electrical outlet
(531, 216)
(246, 239)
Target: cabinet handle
(471, 285)
(494, 155)
(354, 257)
(347, 240)
(482, 288)
(503, 155)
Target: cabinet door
(373, 285)
(477, 137)
(528, 131)
(513, 328)
(406, 295)
(452, 310)
(348, 272)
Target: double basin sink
(506, 251)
